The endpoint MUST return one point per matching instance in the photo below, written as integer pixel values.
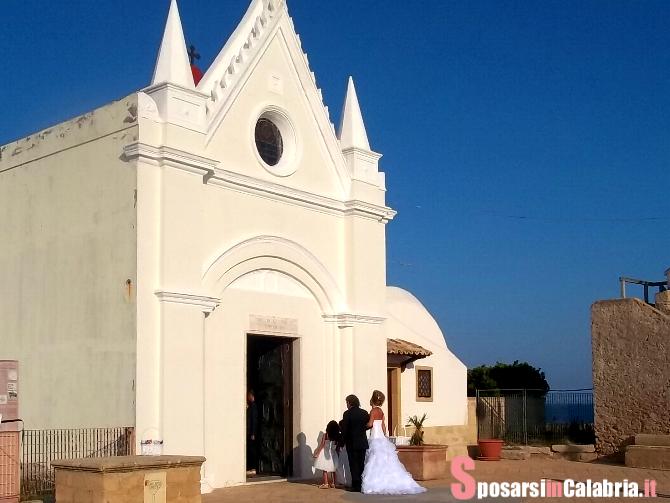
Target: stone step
(648, 456)
(515, 454)
(657, 440)
(539, 452)
(582, 457)
(566, 448)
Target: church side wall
(68, 268)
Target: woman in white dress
(383, 472)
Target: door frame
(393, 373)
(288, 351)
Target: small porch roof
(402, 352)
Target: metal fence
(646, 285)
(535, 417)
(41, 447)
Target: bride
(383, 472)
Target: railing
(623, 281)
(41, 447)
(525, 417)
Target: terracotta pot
(489, 449)
(424, 462)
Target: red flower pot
(489, 449)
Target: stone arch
(275, 254)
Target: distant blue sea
(556, 412)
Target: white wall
(67, 249)
(314, 402)
(409, 320)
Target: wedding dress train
(383, 472)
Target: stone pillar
(182, 372)
(347, 361)
(663, 301)
(182, 390)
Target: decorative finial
(193, 54)
(197, 72)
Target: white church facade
(165, 253)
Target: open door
(270, 376)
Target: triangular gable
(265, 22)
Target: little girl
(327, 454)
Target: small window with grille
(424, 384)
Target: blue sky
(526, 144)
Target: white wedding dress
(383, 472)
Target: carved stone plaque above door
(272, 325)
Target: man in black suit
(353, 426)
(252, 434)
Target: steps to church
(649, 451)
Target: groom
(353, 426)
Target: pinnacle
(172, 64)
(352, 127)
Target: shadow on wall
(303, 462)
(343, 473)
(302, 459)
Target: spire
(352, 127)
(173, 64)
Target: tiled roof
(400, 347)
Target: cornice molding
(361, 208)
(168, 156)
(207, 304)
(366, 154)
(162, 86)
(263, 188)
(345, 320)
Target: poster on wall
(12, 390)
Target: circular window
(269, 141)
(274, 141)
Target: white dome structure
(409, 321)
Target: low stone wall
(459, 439)
(631, 375)
(129, 479)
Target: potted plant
(490, 414)
(417, 436)
(423, 461)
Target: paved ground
(439, 490)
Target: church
(207, 235)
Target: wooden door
(274, 395)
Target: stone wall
(631, 374)
(458, 438)
(129, 479)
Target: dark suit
(353, 426)
(252, 431)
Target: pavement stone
(565, 448)
(439, 490)
(515, 454)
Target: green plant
(518, 375)
(417, 436)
